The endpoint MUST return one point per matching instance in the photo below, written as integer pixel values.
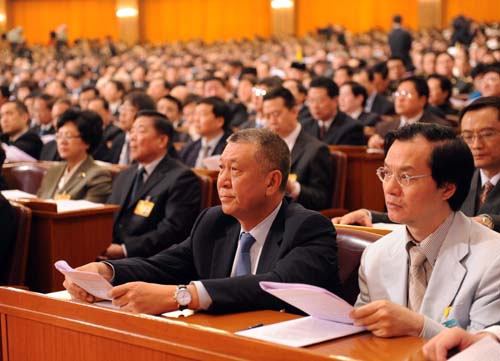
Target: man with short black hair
(352, 100)
(15, 130)
(328, 123)
(211, 122)
(442, 269)
(312, 182)
(159, 197)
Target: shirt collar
(260, 231)
(150, 167)
(493, 180)
(356, 114)
(211, 143)
(369, 101)
(431, 245)
(405, 120)
(291, 138)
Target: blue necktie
(244, 266)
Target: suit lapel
(271, 249)
(444, 285)
(392, 275)
(224, 251)
(298, 148)
(55, 180)
(79, 176)
(152, 180)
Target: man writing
(279, 241)
(443, 268)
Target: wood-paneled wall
(357, 16)
(169, 20)
(85, 18)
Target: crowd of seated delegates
(172, 79)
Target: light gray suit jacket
(466, 276)
(90, 182)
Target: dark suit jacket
(400, 43)
(189, 154)
(3, 184)
(8, 225)
(385, 127)
(176, 193)
(304, 114)
(312, 163)
(238, 113)
(369, 119)
(300, 247)
(382, 106)
(491, 205)
(29, 143)
(343, 131)
(90, 182)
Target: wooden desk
(35, 327)
(363, 189)
(77, 237)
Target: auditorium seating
(351, 243)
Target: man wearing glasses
(410, 101)
(480, 124)
(442, 269)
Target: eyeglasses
(402, 94)
(484, 135)
(66, 136)
(403, 180)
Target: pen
(255, 326)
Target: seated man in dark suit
(311, 160)
(352, 99)
(328, 123)
(211, 122)
(159, 196)
(279, 241)
(15, 129)
(480, 123)
(411, 101)
(110, 131)
(42, 111)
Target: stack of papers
(329, 316)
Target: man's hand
(114, 251)
(76, 292)
(360, 216)
(386, 319)
(437, 348)
(376, 142)
(150, 298)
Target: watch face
(183, 297)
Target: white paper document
(14, 154)
(64, 295)
(329, 316)
(486, 349)
(11, 194)
(67, 205)
(91, 282)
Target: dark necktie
(322, 130)
(138, 181)
(487, 187)
(244, 266)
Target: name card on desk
(329, 316)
